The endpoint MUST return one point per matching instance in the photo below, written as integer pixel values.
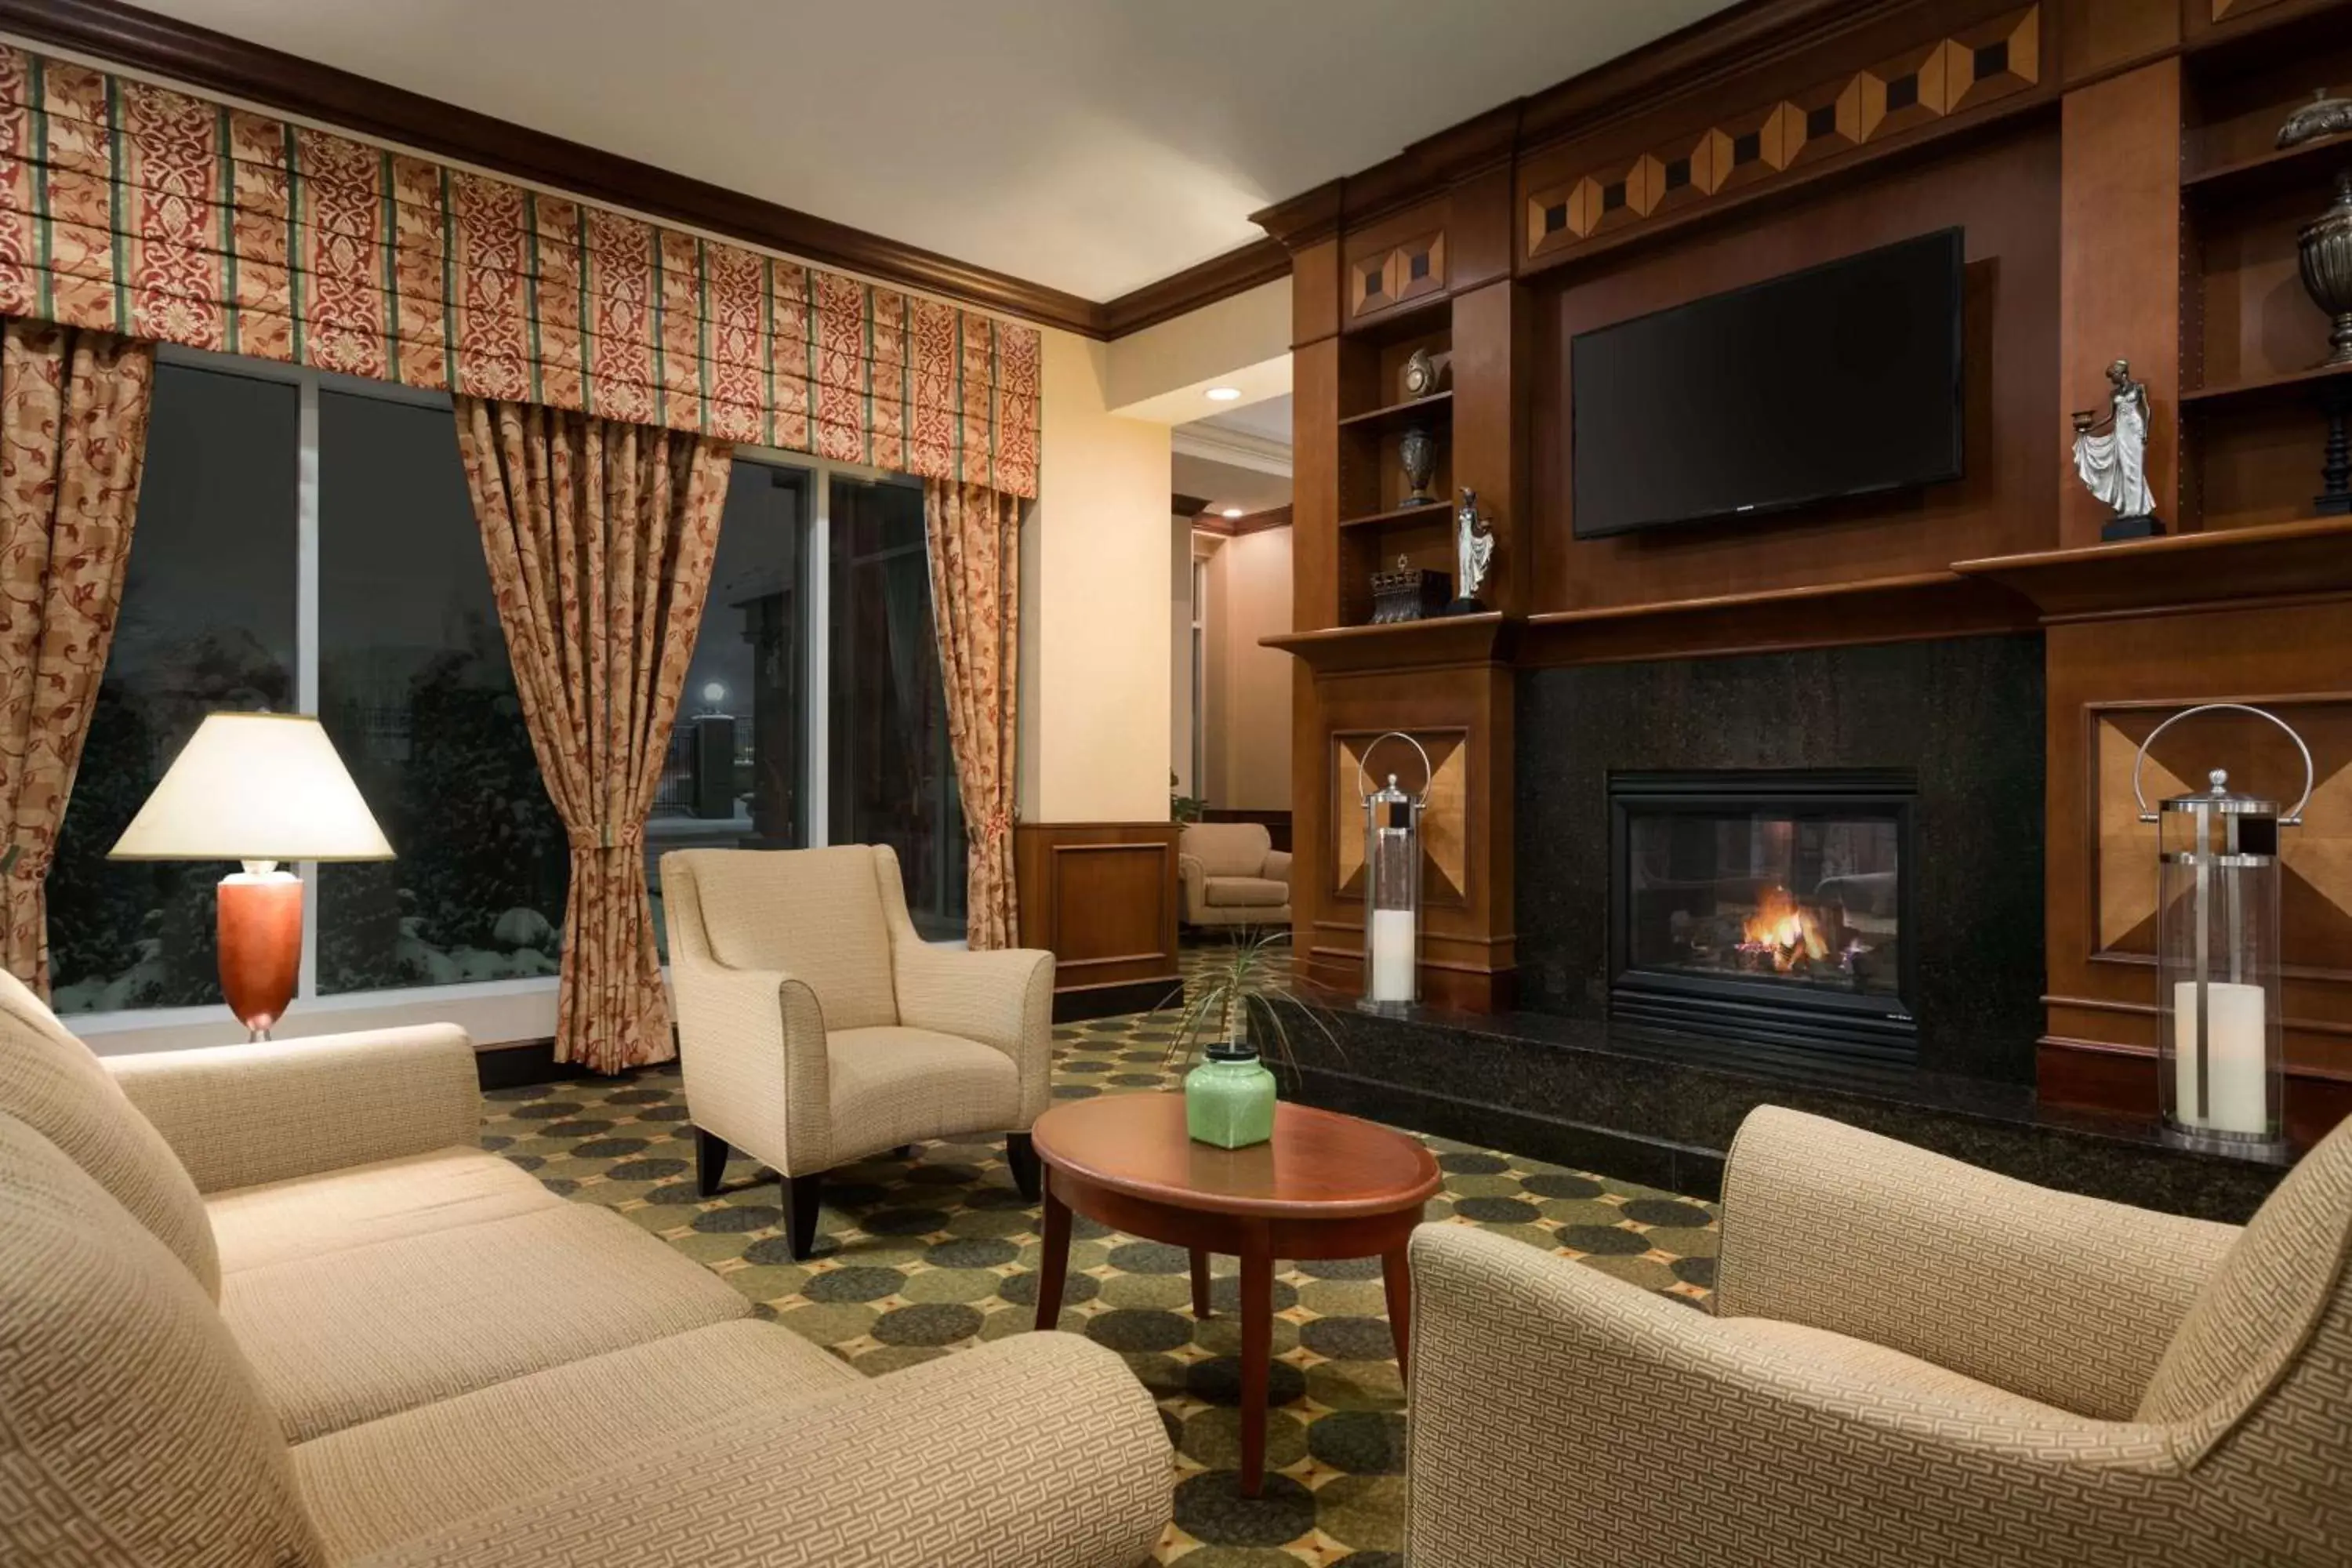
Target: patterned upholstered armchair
(1232, 875)
(1911, 1361)
(816, 1028)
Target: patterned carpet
(920, 1259)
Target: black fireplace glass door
(1803, 898)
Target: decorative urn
(2325, 248)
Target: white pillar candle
(2237, 1064)
(1391, 952)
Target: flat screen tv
(1840, 380)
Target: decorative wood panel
(1444, 839)
(1101, 897)
(1395, 275)
(1973, 65)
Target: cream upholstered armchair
(1232, 875)
(815, 1026)
(1911, 1361)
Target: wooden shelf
(2310, 556)
(1433, 512)
(1899, 608)
(2312, 164)
(2264, 386)
(1402, 415)
(1400, 645)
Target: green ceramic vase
(1229, 1099)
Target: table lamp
(260, 788)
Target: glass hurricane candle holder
(1391, 884)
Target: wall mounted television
(1841, 380)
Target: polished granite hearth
(1663, 1109)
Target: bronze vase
(2325, 246)
(1418, 456)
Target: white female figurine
(1473, 548)
(2110, 456)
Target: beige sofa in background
(269, 1305)
(1911, 1361)
(1232, 875)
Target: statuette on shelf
(2110, 456)
(2323, 116)
(1474, 554)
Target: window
(415, 691)
(891, 772)
(208, 618)
(736, 772)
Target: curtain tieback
(603, 835)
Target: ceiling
(1092, 145)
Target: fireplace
(1774, 908)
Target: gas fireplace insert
(1772, 907)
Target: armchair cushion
(385, 1201)
(896, 1085)
(813, 914)
(1227, 849)
(347, 1337)
(1277, 865)
(1247, 893)
(2068, 1300)
(382, 1481)
(58, 1089)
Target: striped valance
(142, 210)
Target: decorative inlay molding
(1386, 279)
(1976, 65)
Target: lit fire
(1786, 931)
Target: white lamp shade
(255, 786)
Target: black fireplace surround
(1941, 739)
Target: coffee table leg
(1257, 1350)
(1396, 1275)
(1054, 1260)
(1199, 1283)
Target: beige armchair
(1911, 1361)
(815, 1026)
(1233, 876)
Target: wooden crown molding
(1234, 527)
(180, 51)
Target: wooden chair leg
(710, 1162)
(800, 1195)
(1022, 1156)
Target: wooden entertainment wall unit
(2112, 165)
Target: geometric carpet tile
(927, 1256)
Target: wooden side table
(1325, 1185)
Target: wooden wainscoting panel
(1101, 897)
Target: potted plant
(1235, 1001)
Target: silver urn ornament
(1418, 453)
(2325, 246)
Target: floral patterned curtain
(600, 536)
(974, 534)
(73, 438)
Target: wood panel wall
(1101, 897)
(2087, 147)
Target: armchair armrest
(751, 1050)
(1038, 1451)
(2067, 1300)
(1002, 998)
(1886, 1474)
(1193, 885)
(1277, 865)
(239, 1115)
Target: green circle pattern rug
(924, 1257)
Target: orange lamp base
(259, 918)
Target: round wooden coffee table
(1326, 1185)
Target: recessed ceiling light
(1231, 511)
(1225, 394)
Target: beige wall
(1180, 695)
(1248, 717)
(1094, 630)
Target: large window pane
(208, 622)
(414, 688)
(735, 769)
(892, 777)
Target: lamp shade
(255, 786)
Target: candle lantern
(2220, 1069)
(1391, 883)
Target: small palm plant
(1246, 984)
